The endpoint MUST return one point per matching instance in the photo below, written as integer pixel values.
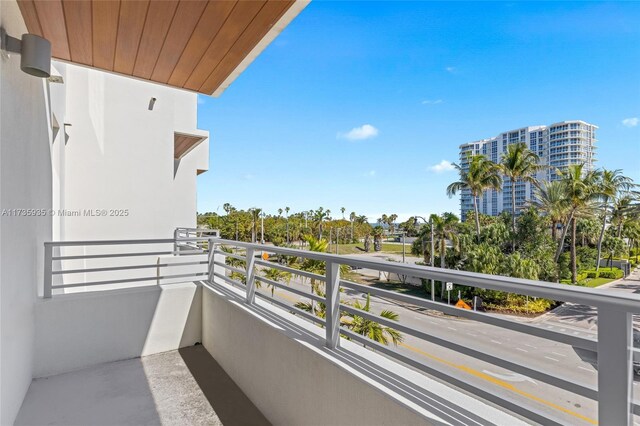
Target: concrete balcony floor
(184, 387)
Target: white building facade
(125, 156)
(558, 146)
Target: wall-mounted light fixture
(34, 51)
(152, 102)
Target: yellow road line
(500, 383)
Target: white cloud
(451, 69)
(631, 122)
(248, 176)
(441, 167)
(366, 131)
(432, 102)
(201, 100)
(370, 173)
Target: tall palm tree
(286, 211)
(444, 228)
(319, 216)
(581, 193)
(342, 210)
(518, 163)
(550, 198)
(255, 215)
(622, 205)
(482, 174)
(391, 221)
(611, 183)
(352, 219)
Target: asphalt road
(558, 360)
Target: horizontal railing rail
(101, 263)
(613, 347)
(187, 240)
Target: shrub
(592, 274)
(614, 274)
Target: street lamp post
(404, 233)
(262, 228)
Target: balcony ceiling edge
(197, 45)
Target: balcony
(128, 327)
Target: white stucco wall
(74, 331)
(25, 182)
(113, 153)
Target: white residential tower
(558, 146)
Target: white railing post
(175, 241)
(251, 275)
(332, 303)
(212, 256)
(615, 345)
(48, 269)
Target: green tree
(611, 183)
(444, 229)
(482, 174)
(519, 164)
(286, 211)
(551, 199)
(372, 329)
(581, 193)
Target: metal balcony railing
(614, 344)
(105, 264)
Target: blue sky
(355, 102)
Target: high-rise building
(558, 146)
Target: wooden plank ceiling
(191, 44)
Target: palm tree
(518, 163)
(286, 211)
(482, 174)
(320, 215)
(371, 329)
(391, 221)
(342, 210)
(255, 215)
(352, 218)
(611, 183)
(621, 206)
(444, 228)
(581, 193)
(311, 265)
(550, 198)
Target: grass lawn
(597, 282)
(386, 248)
